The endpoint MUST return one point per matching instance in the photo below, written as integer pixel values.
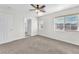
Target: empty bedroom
(39, 28)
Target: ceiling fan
(38, 8)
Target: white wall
(11, 26)
(48, 29)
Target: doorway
(28, 28)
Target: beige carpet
(38, 44)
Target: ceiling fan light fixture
(40, 13)
(37, 11)
(38, 8)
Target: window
(59, 23)
(71, 23)
(67, 23)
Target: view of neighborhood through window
(67, 23)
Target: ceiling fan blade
(42, 6)
(33, 5)
(42, 11)
(32, 9)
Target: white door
(6, 28)
(11, 29)
(3, 28)
(29, 27)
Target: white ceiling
(24, 8)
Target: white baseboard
(10, 40)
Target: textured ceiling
(50, 8)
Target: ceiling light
(37, 11)
(40, 13)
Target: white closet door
(6, 28)
(11, 29)
(3, 28)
